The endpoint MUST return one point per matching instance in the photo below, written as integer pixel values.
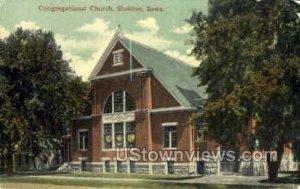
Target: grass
(290, 178)
(39, 186)
(82, 182)
(108, 175)
(104, 184)
(125, 175)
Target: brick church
(140, 98)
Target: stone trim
(169, 124)
(122, 73)
(83, 118)
(118, 117)
(83, 158)
(172, 109)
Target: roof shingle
(175, 75)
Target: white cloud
(148, 23)
(3, 32)
(149, 34)
(69, 44)
(28, 25)
(101, 36)
(98, 35)
(98, 25)
(82, 67)
(183, 57)
(151, 40)
(95, 43)
(183, 29)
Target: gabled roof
(174, 75)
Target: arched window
(118, 130)
(119, 101)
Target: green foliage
(40, 94)
(250, 54)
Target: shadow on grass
(290, 178)
(31, 173)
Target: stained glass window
(108, 105)
(108, 136)
(119, 101)
(122, 134)
(130, 135)
(119, 135)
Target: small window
(108, 105)
(119, 166)
(131, 166)
(170, 167)
(83, 140)
(107, 166)
(170, 137)
(118, 57)
(83, 165)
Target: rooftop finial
(119, 31)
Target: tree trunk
(1, 162)
(34, 163)
(273, 166)
(299, 171)
(9, 162)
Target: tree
(41, 94)
(251, 68)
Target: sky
(84, 35)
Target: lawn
(111, 181)
(125, 175)
(112, 184)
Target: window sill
(118, 64)
(170, 148)
(124, 112)
(113, 150)
(83, 150)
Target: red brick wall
(161, 98)
(135, 88)
(108, 65)
(184, 131)
(75, 152)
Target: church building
(143, 99)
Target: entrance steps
(66, 167)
